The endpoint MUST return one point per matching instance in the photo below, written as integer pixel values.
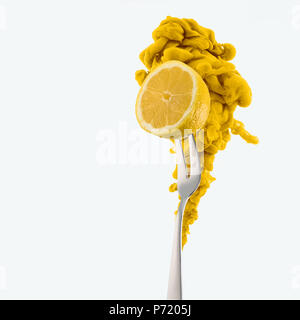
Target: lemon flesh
(172, 100)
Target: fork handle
(175, 282)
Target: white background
(85, 210)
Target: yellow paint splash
(185, 40)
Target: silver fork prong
(181, 166)
(195, 167)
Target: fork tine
(181, 168)
(195, 168)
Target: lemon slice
(172, 100)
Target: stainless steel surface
(187, 183)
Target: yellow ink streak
(185, 40)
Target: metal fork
(187, 185)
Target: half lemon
(172, 100)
